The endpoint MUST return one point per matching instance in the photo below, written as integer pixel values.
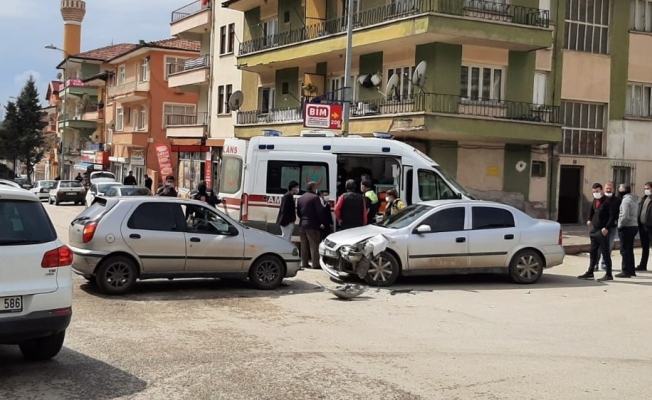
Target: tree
(10, 134)
(32, 140)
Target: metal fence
(188, 10)
(186, 119)
(189, 65)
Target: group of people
(203, 193)
(352, 209)
(620, 214)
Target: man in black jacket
(644, 202)
(310, 212)
(601, 220)
(287, 213)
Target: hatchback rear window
(23, 223)
(92, 213)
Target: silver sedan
(446, 237)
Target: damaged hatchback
(446, 237)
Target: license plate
(11, 304)
(71, 194)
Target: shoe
(639, 268)
(624, 275)
(606, 278)
(586, 276)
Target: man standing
(287, 213)
(371, 199)
(167, 190)
(327, 219)
(310, 212)
(130, 179)
(601, 216)
(79, 178)
(644, 202)
(351, 208)
(615, 203)
(627, 228)
(148, 182)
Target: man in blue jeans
(613, 233)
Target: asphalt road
(457, 338)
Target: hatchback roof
(11, 193)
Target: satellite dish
(95, 137)
(59, 76)
(392, 83)
(236, 99)
(419, 75)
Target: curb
(573, 249)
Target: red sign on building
(322, 116)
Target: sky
(27, 26)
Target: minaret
(73, 12)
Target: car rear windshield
(71, 184)
(23, 223)
(92, 213)
(103, 188)
(134, 191)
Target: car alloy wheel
(267, 273)
(383, 270)
(526, 267)
(117, 275)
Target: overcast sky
(26, 26)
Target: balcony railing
(128, 87)
(419, 103)
(90, 107)
(172, 120)
(190, 9)
(189, 65)
(469, 8)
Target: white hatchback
(35, 277)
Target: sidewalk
(576, 239)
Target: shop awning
(83, 166)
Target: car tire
(267, 273)
(56, 201)
(50, 200)
(117, 275)
(526, 267)
(44, 348)
(388, 270)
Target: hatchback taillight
(59, 257)
(560, 238)
(89, 232)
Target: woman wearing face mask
(394, 204)
(627, 229)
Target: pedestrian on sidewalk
(601, 216)
(644, 202)
(287, 214)
(615, 203)
(627, 229)
(310, 212)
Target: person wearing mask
(627, 229)
(615, 203)
(642, 231)
(310, 212)
(168, 189)
(351, 208)
(148, 182)
(394, 204)
(202, 194)
(287, 213)
(130, 179)
(372, 201)
(601, 216)
(327, 226)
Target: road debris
(345, 292)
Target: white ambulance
(255, 174)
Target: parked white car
(7, 183)
(98, 189)
(446, 237)
(42, 189)
(35, 277)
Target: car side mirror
(423, 229)
(233, 231)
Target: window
(587, 26)
(433, 187)
(227, 97)
(266, 99)
(623, 174)
(491, 218)
(122, 74)
(481, 83)
(177, 112)
(143, 118)
(270, 33)
(223, 39)
(281, 173)
(638, 100)
(24, 222)
(583, 128)
(173, 65)
(406, 217)
(119, 119)
(111, 193)
(540, 88)
(641, 15)
(231, 175)
(538, 169)
(336, 88)
(220, 99)
(404, 88)
(144, 69)
(155, 217)
(134, 118)
(448, 220)
(223, 96)
(202, 220)
(231, 38)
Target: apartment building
(214, 77)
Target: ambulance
(255, 173)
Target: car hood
(267, 241)
(356, 235)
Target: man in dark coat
(351, 208)
(327, 227)
(644, 202)
(601, 220)
(168, 189)
(287, 213)
(148, 182)
(130, 179)
(310, 212)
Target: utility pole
(348, 92)
(64, 113)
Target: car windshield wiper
(9, 242)
(79, 219)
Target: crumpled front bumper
(324, 251)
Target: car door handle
(195, 239)
(460, 240)
(509, 237)
(134, 236)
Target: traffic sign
(324, 116)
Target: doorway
(570, 194)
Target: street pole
(348, 92)
(63, 130)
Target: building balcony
(186, 126)
(192, 20)
(189, 74)
(129, 91)
(428, 116)
(92, 112)
(77, 88)
(406, 23)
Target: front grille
(331, 262)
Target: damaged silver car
(445, 237)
